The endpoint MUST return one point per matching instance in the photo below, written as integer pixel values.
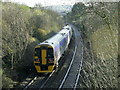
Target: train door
(44, 64)
(47, 56)
(44, 55)
(47, 59)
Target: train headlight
(37, 59)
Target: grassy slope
(104, 43)
(100, 60)
(105, 49)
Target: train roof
(56, 38)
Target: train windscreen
(50, 53)
(38, 52)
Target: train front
(44, 58)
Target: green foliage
(45, 21)
(98, 23)
(22, 29)
(25, 8)
(40, 33)
(78, 9)
(6, 81)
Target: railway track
(46, 80)
(81, 62)
(66, 75)
(40, 80)
(71, 77)
(30, 82)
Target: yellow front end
(42, 63)
(38, 68)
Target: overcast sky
(31, 3)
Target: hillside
(98, 26)
(61, 9)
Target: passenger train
(48, 53)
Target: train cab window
(50, 53)
(38, 52)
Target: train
(48, 53)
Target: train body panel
(49, 52)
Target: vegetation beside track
(98, 24)
(23, 27)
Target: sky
(31, 3)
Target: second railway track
(72, 75)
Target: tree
(16, 23)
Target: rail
(68, 69)
(47, 80)
(30, 82)
(80, 66)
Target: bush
(6, 82)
